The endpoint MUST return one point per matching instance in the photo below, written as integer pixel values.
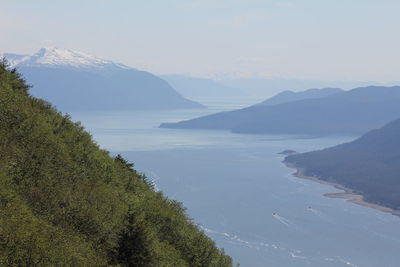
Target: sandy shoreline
(348, 194)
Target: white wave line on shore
(254, 245)
(342, 261)
(297, 256)
(295, 180)
(282, 219)
(347, 262)
(313, 210)
(294, 253)
(231, 237)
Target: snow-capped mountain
(75, 81)
(54, 57)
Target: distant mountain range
(369, 165)
(75, 81)
(290, 96)
(225, 89)
(269, 86)
(54, 57)
(349, 112)
(201, 89)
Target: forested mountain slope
(66, 202)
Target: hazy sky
(314, 39)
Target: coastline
(348, 194)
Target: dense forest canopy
(66, 202)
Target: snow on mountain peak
(58, 57)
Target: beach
(348, 193)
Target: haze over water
(238, 191)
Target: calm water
(238, 191)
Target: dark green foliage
(66, 202)
(369, 165)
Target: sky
(346, 40)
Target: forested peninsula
(369, 166)
(66, 202)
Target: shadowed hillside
(352, 112)
(369, 165)
(290, 96)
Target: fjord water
(239, 192)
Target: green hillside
(66, 202)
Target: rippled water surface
(238, 191)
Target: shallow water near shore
(239, 192)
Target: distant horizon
(218, 76)
(308, 39)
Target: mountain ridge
(347, 113)
(55, 57)
(75, 81)
(290, 96)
